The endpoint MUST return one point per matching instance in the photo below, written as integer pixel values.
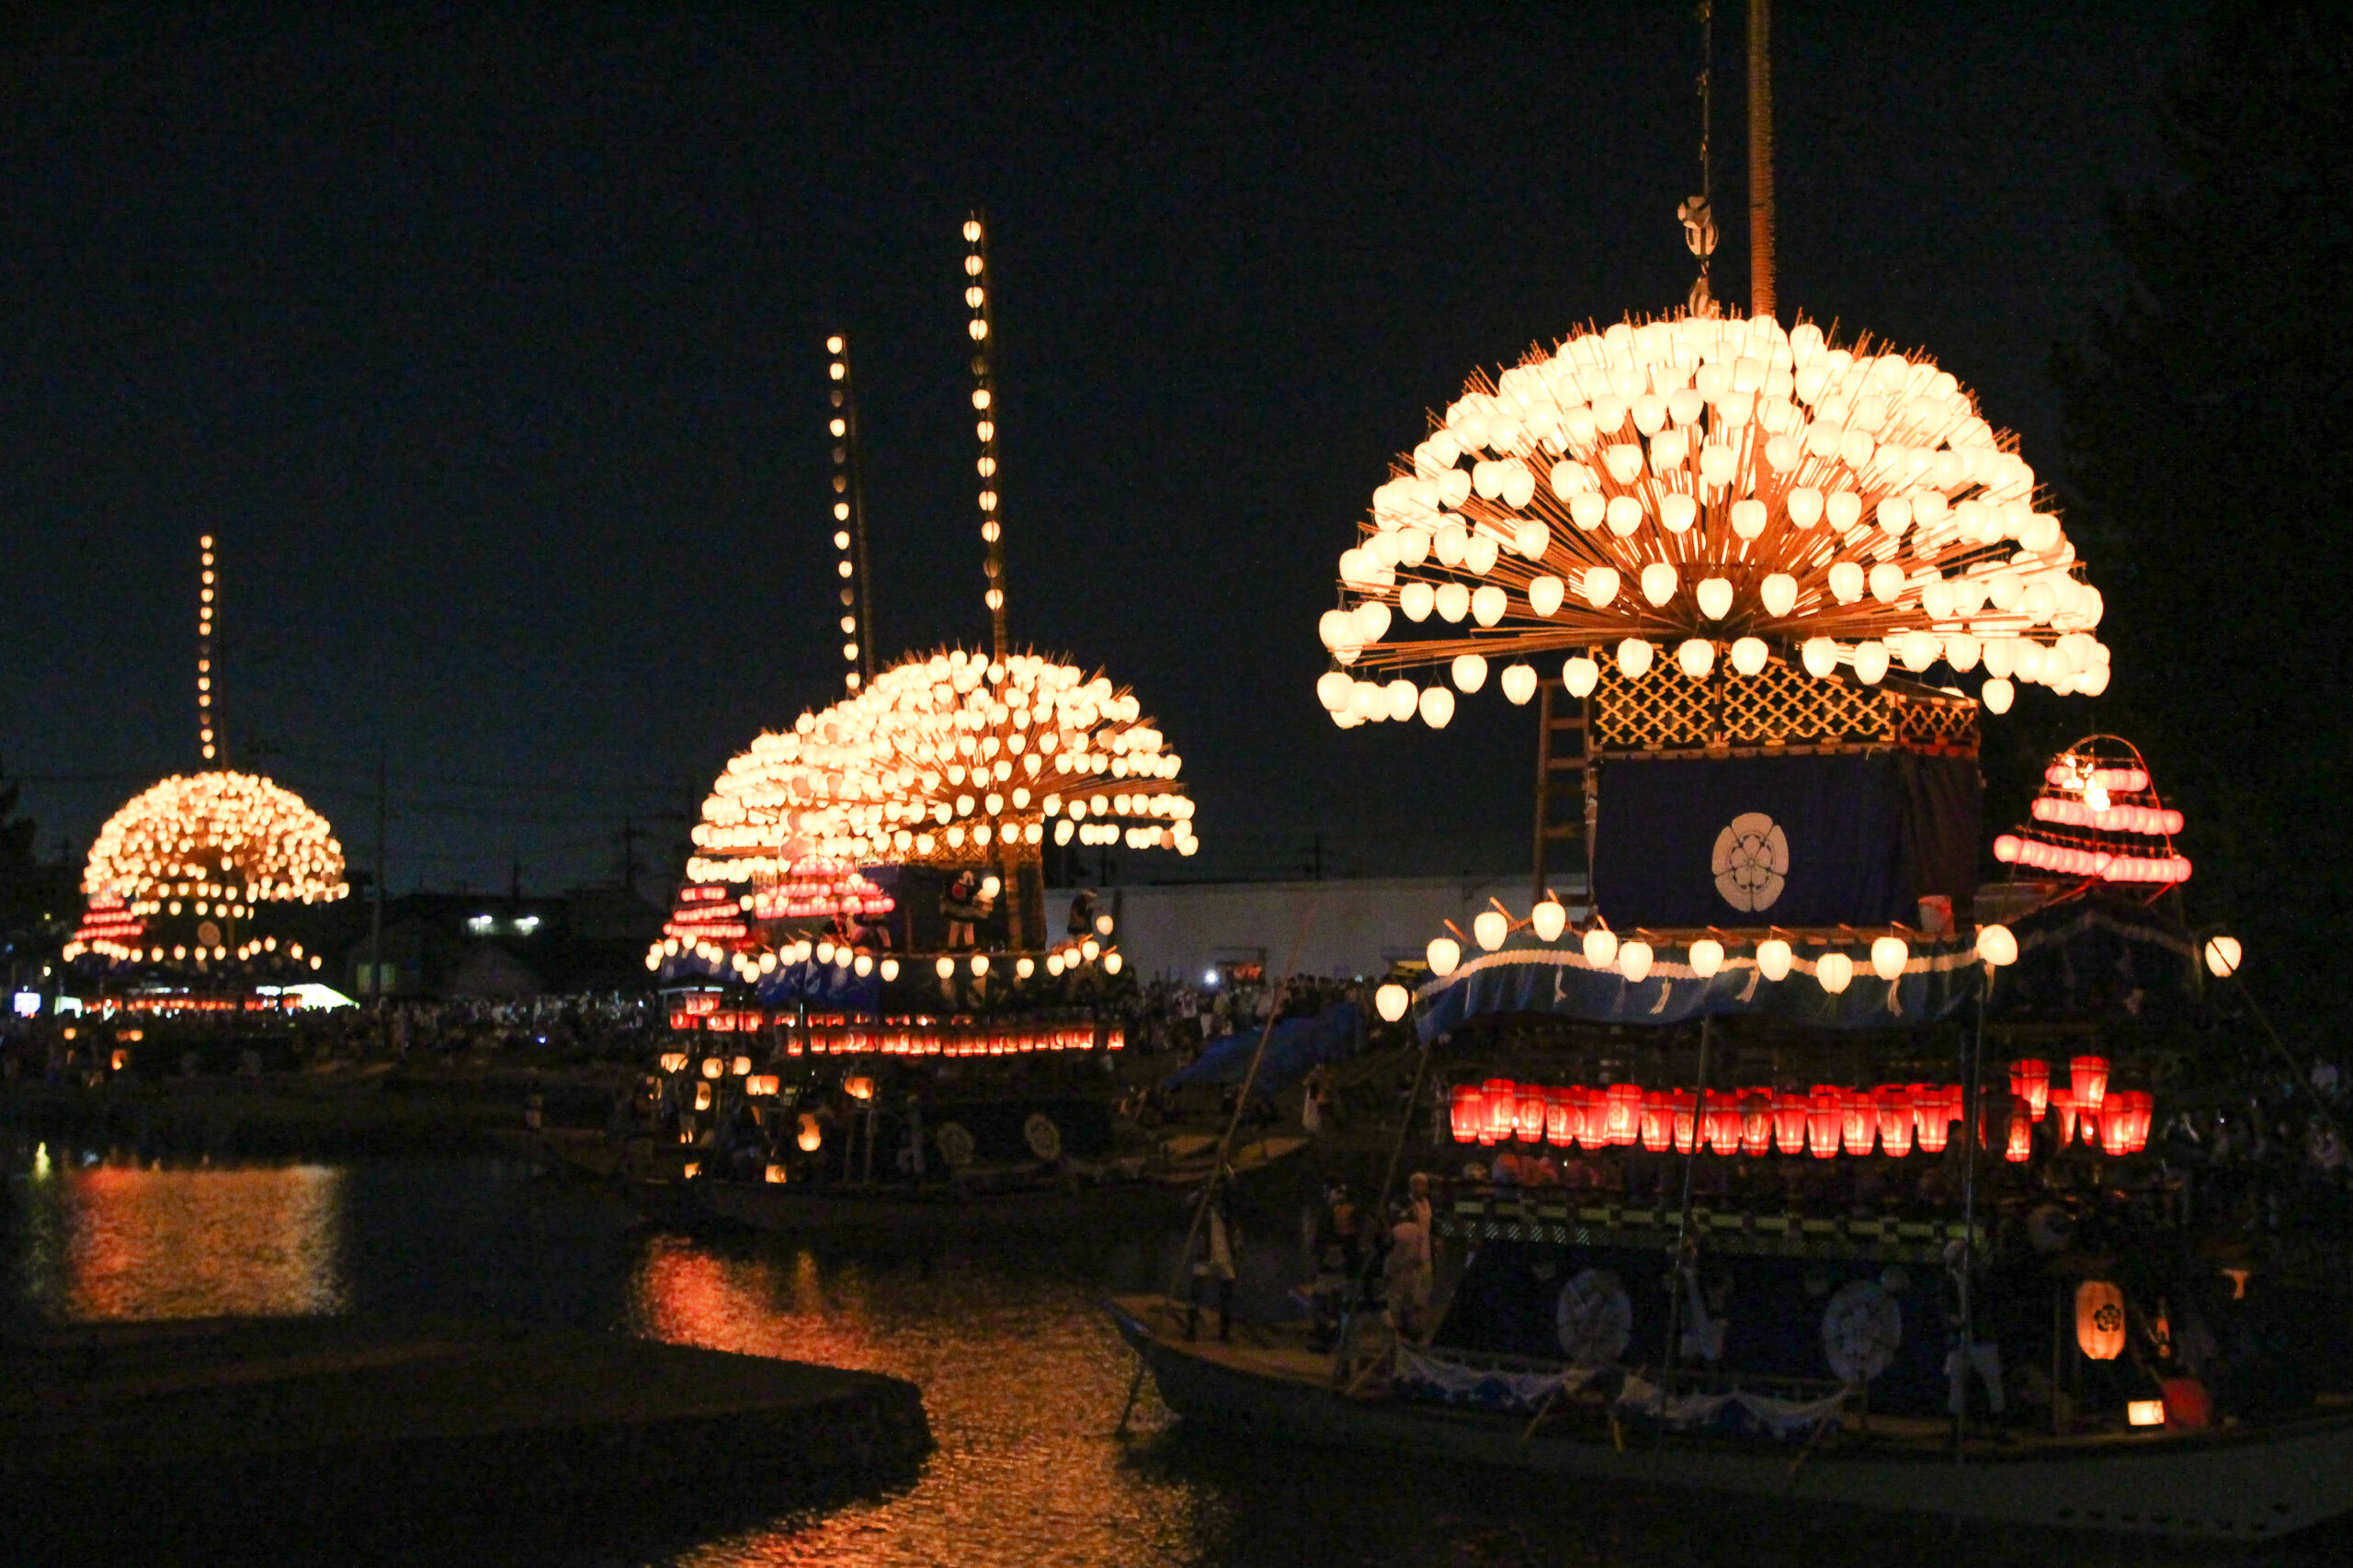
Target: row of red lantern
(1889, 1119)
(954, 1040)
(2150, 821)
(2115, 780)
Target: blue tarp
(1528, 977)
(1296, 1046)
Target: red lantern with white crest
(1658, 1120)
(1930, 1122)
(1822, 1120)
(1788, 1123)
(2020, 1146)
(1625, 1114)
(1528, 1120)
(2088, 1081)
(1469, 1113)
(1756, 1123)
(1859, 1120)
(1560, 1117)
(1894, 1119)
(2031, 1080)
(1687, 1110)
(1503, 1110)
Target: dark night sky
(492, 349)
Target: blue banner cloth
(1853, 838)
(1295, 1048)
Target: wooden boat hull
(895, 1212)
(2234, 1484)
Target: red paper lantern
(1560, 1117)
(1530, 1121)
(2031, 1080)
(1625, 1113)
(1469, 1113)
(2116, 1124)
(1788, 1123)
(1823, 1120)
(1503, 1110)
(1593, 1118)
(1859, 1120)
(1755, 1124)
(1930, 1122)
(1658, 1122)
(2144, 1109)
(1895, 1120)
(1686, 1109)
(1723, 1122)
(2088, 1080)
(2019, 1147)
(2063, 1110)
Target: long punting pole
(849, 517)
(1973, 1105)
(1685, 1253)
(1760, 157)
(212, 736)
(1379, 1211)
(985, 412)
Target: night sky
(492, 349)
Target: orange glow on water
(117, 1242)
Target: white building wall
(1352, 927)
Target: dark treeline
(2206, 421)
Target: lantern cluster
(2099, 818)
(204, 852)
(1714, 491)
(839, 1034)
(2114, 1120)
(1704, 957)
(947, 760)
(841, 425)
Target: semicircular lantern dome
(1693, 491)
(949, 759)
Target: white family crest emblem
(1751, 859)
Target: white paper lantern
(1580, 674)
(1871, 660)
(1835, 972)
(1634, 961)
(1997, 945)
(1696, 658)
(1714, 596)
(1520, 683)
(1774, 959)
(1889, 955)
(1779, 594)
(1820, 657)
(1548, 919)
(1599, 585)
(2222, 956)
(1600, 946)
(1491, 928)
(1749, 656)
(1436, 704)
(1444, 953)
(1470, 672)
(1634, 658)
(1707, 957)
(1390, 1001)
(1998, 694)
(1545, 593)
(1660, 580)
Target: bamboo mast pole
(1760, 158)
(212, 735)
(849, 515)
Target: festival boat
(1796, 1162)
(869, 1011)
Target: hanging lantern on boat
(2144, 1109)
(2031, 1080)
(1468, 1113)
(1930, 1124)
(1859, 1120)
(1658, 1120)
(1528, 1119)
(2116, 1125)
(1823, 1120)
(1788, 1123)
(2087, 1077)
(2018, 1147)
(1756, 1123)
(1894, 1119)
(2099, 1319)
(1593, 1118)
(1561, 1113)
(1503, 1110)
(1625, 1114)
(2063, 1112)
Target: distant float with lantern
(188, 888)
(1784, 1156)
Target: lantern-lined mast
(849, 517)
(209, 736)
(984, 411)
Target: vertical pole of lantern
(1685, 1253)
(985, 412)
(1760, 157)
(849, 514)
(1973, 1099)
(212, 736)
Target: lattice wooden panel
(1779, 705)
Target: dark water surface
(1021, 1377)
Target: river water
(1022, 1379)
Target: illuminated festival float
(188, 886)
(1784, 1158)
(869, 884)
